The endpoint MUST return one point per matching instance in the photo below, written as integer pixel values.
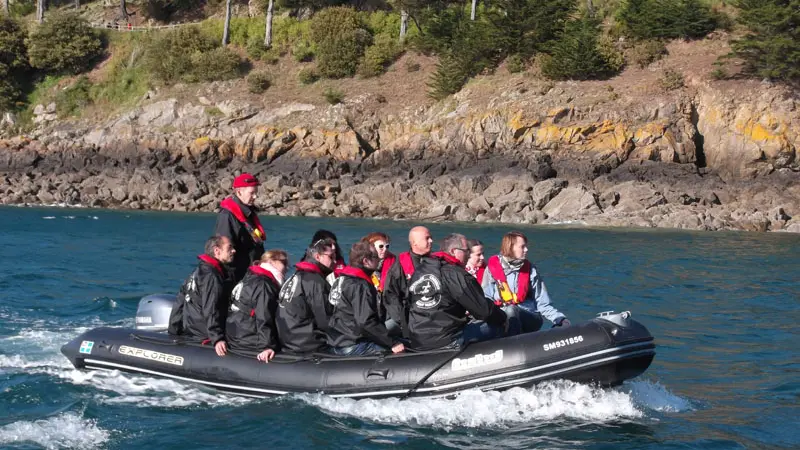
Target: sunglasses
(382, 246)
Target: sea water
(723, 307)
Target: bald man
(395, 295)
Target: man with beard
(202, 302)
(303, 308)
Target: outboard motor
(153, 312)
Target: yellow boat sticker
(151, 355)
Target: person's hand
(563, 323)
(398, 348)
(266, 355)
(221, 348)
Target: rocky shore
(708, 157)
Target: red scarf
(231, 205)
(350, 271)
(448, 258)
(523, 282)
(212, 261)
(306, 266)
(388, 262)
(258, 270)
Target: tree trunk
(6, 9)
(123, 10)
(226, 31)
(77, 4)
(403, 24)
(40, 6)
(590, 8)
(474, 7)
(268, 29)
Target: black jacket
(202, 303)
(303, 309)
(440, 294)
(356, 317)
(251, 318)
(247, 249)
(395, 293)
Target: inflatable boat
(606, 350)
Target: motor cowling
(153, 312)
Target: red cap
(245, 180)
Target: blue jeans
(360, 349)
(478, 331)
(522, 320)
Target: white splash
(66, 430)
(550, 401)
(656, 397)
(144, 392)
(49, 217)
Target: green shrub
(340, 39)
(64, 44)
(190, 55)
(255, 48)
(671, 80)
(576, 55)
(125, 79)
(218, 64)
(333, 96)
(771, 48)
(647, 52)
(258, 82)
(668, 19)
(73, 99)
(614, 58)
(515, 63)
(303, 51)
(308, 75)
(379, 56)
(450, 75)
(270, 57)
(21, 9)
(13, 62)
(526, 27)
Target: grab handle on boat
(383, 373)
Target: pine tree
(771, 49)
(576, 54)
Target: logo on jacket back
(336, 292)
(288, 290)
(426, 292)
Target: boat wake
(547, 402)
(66, 430)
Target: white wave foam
(550, 401)
(49, 217)
(143, 391)
(656, 397)
(66, 430)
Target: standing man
(238, 221)
(202, 303)
(395, 294)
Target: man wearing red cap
(237, 220)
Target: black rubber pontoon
(606, 350)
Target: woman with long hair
(515, 285)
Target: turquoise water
(723, 308)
